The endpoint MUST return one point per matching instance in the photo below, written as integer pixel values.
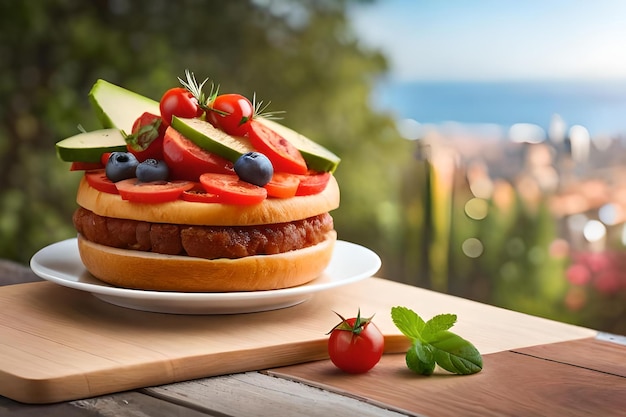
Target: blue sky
(497, 39)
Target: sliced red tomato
(198, 194)
(104, 158)
(282, 185)
(151, 192)
(231, 113)
(232, 190)
(187, 161)
(85, 166)
(179, 102)
(146, 138)
(284, 156)
(98, 180)
(313, 183)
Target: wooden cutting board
(60, 344)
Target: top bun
(272, 210)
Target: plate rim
(55, 276)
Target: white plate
(61, 264)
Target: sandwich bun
(144, 270)
(153, 271)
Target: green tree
(300, 55)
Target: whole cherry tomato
(179, 102)
(355, 345)
(231, 113)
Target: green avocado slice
(118, 107)
(89, 146)
(206, 136)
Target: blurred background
(482, 142)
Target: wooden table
(532, 366)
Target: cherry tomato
(99, 180)
(85, 166)
(231, 113)
(282, 185)
(187, 161)
(179, 102)
(198, 194)
(146, 138)
(232, 190)
(313, 183)
(355, 345)
(151, 192)
(284, 156)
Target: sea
(599, 106)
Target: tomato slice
(284, 156)
(313, 183)
(282, 185)
(151, 192)
(98, 179)
(187, 161)
(232, 190)
(198, 194)
(85, 166)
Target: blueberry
(152, 170)
(121, 166)
(255, 168)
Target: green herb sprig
(433, 343)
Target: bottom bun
(151, 271)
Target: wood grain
(510, 384)
(61, 344)
(255, 394)
(588, 353)
(123, 404)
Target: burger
(207, 216)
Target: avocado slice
(317, 157)
(118, 107)
(89, 146)
(214, 140)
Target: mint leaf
(408, 322)
(455, 354)
(433, 343)
(419, 358)
(437, 324)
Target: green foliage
(299, 55)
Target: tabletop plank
(255, 394)
(591, 353)
(509, 384)
(122, 404)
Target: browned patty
(208, 242)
